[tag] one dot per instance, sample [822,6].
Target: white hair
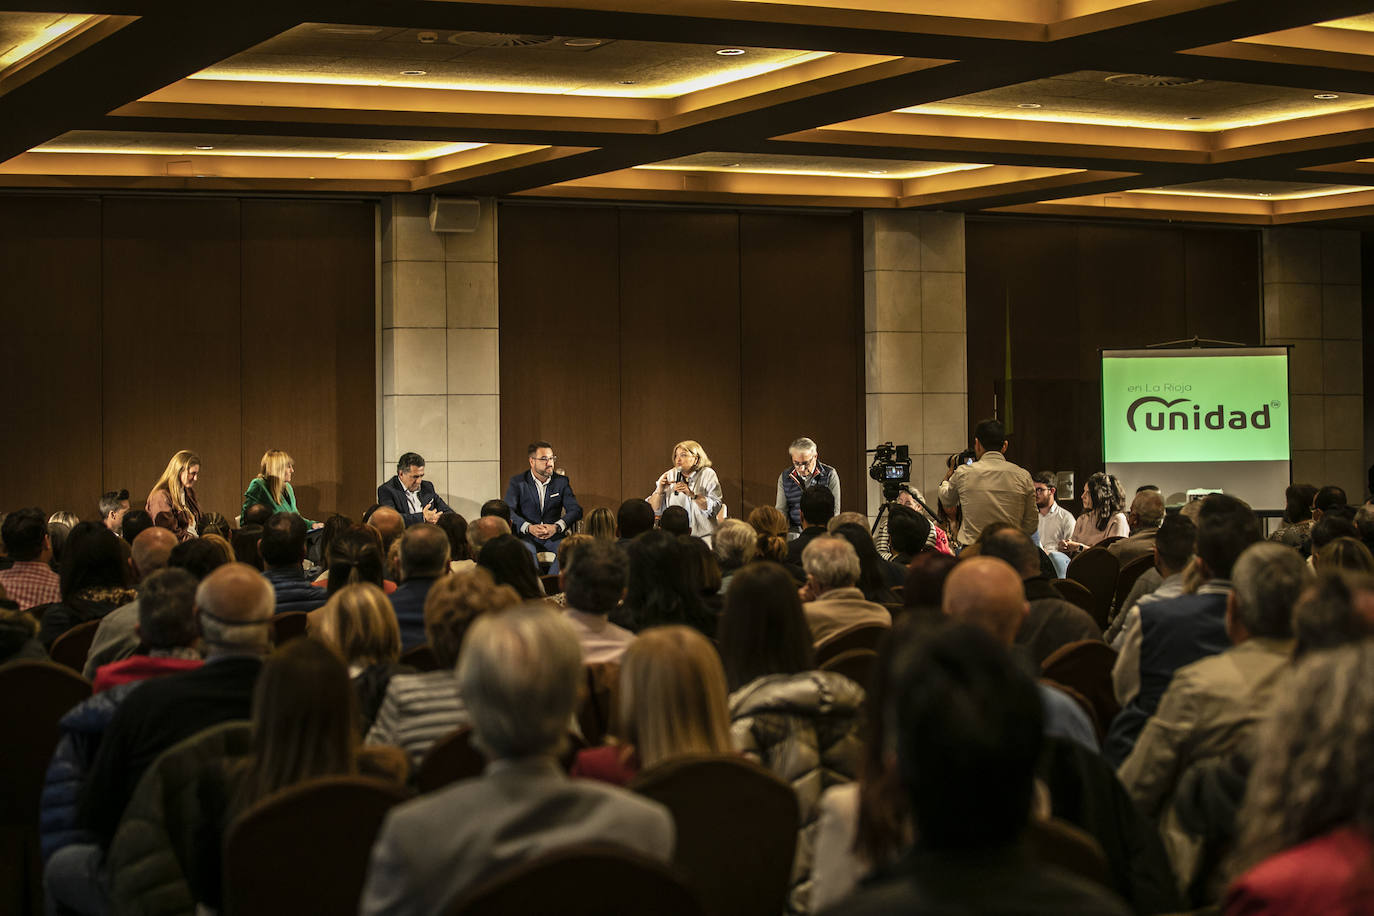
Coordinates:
[831,561]
[803,445]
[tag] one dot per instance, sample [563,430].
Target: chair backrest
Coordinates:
[1077,593]
[742,870]
[305,849]
[1086,666]
[1061,844]
[1126,578]
[898,590]
[855,664]
[583,881]
[550,584]
[421,658]
[1096,569]
[1082,702]
[288,626]
[450,759]
[859,636]
[72,647]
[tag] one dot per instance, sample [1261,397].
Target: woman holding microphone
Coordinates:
[693,485]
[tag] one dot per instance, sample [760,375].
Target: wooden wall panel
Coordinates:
[679,344]
[801,337]
[171,344]
[50,348]
[560,343]
[309,350]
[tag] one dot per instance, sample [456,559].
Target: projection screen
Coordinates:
[1199,419]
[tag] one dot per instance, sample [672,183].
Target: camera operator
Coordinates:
[988,487]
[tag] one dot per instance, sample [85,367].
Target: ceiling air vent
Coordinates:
[1152,80]
[498,40]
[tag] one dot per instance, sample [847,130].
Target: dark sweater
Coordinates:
[294,591]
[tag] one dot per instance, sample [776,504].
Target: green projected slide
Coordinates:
[1195,408]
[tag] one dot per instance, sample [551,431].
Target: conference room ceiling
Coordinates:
[1256,112]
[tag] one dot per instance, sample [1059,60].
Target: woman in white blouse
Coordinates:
[691,484]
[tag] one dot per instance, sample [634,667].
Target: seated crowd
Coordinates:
[960,734]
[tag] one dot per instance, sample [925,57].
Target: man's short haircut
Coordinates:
[907,530]
[1330,527]
[496,507]
[136,521]
[1015,547]
[832,562]
[990,434]
[675,520]
[969,732]
[424,551]
[166,599]
[256,514]
[407,461]
[1148,507]
[802,444]
[23,534]
[536,446]
[596,581]
[1147,486]
[112,502]
[735,543]
[518,674]
[634,517]
[283,539]
[197,557]
[1226,526]
[1045,478]
[1330,498]
[817,505]
[1265,583]
[1176,542]
[482,531]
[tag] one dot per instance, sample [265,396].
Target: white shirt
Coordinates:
[542,486]
[1054,526]
[413,499]
[703,482]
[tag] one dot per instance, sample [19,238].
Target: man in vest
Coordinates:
[806,471]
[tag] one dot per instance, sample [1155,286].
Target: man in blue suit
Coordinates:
[542,504]
[410,494]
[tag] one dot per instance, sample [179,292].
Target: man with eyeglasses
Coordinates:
[806,471]
[542,504]
[113,505]
[1055,524]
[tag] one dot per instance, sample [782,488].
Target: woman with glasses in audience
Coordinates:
[692,484]
[272,486]
[172,501]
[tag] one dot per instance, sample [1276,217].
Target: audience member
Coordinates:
[675,521]
[18,633]
[968,735]
[593,587]
[57,540]
[332,528]
[1051,622]
[1056,523]
[1336,610]
[600,524]
[702,569]
[226,550]
[95,580]
[172,502]
[1296,530]
[1306,834]
[1102,517]
[925,580]
[633,518]
[1364,521]
[1178,631]
[166,631]
[212,523]
[735,546]
[771,527]
[846,518]
[1344,553]
[459,554]
[113,505]
[1327,529]
[877,577]
[1174,546]
[30,581]
[817,508]
[256,514]
[246,543]
[424,559]
[355,556]
[389,524]
[486,528]
[568,549]
[1330,501]
[510,563]
[419,709]
[909,533]
[1144,518]
[834,602]
[518,673]
[659,589]
[63,517]
[671,704]
[283,551]
[357,622]
[801,723]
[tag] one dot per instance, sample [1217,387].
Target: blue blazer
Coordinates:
[559,503]
[393,495]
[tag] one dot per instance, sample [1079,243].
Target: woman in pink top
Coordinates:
[1102,517]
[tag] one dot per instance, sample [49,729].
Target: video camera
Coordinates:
[891,467]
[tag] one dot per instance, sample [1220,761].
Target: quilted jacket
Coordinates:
[805,728]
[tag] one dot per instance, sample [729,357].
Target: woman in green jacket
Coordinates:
[272,486]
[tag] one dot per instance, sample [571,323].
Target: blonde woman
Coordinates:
[691,484]
[172,502]
[272,486]
[359,623]
[672,703]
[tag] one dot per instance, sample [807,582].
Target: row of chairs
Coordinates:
[1097,582]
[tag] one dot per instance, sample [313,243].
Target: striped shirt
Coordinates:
[418,710]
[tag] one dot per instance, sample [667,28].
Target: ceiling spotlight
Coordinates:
[730,52]
[732,165]
[1326,96]
[582,42]
[413,72]
[1029,105]
[427,38]
[204,147]
[877,171]
[626,82]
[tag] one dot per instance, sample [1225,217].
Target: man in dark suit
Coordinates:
[542,504]
[410,494]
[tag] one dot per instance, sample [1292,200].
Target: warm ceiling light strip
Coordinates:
[816,172]
[418,156]
[43,39]
[1257,195]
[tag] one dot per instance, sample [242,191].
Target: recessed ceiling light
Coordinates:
[1029,105]
[626,82]
[582,42]
[413,72]
[204,147]
[1192,117]
[730,52]
[1326,96]
[732,165]
[1261,193]
[877,171]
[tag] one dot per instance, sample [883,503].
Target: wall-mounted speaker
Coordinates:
[454,214]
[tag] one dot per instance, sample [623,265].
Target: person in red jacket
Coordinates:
[166,630]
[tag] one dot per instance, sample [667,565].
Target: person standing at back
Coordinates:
[991,488]
[806,471]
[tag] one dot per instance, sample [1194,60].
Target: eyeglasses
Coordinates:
[552,459]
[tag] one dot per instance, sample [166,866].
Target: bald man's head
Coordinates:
[151,549]
[234,606]
[389,525]
[986,593]
[484,529]
[1147,511]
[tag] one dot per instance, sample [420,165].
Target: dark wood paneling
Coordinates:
[801,339]
[1061,291]
[560,343]
[679,343]
[171,344]
[309,351]
[50,348]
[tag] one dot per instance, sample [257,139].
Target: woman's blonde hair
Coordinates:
[600,524]
[221,544]
[357,622]
[62,517]
[673,696]
[693,448]
[272,470]
[171,479]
